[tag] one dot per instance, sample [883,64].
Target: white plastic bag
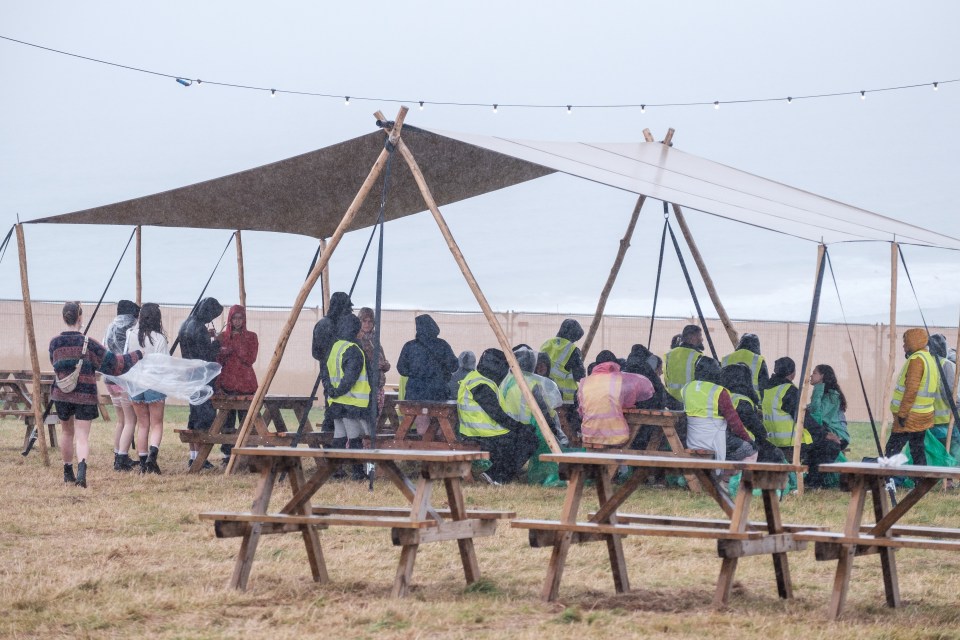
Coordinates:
[176,377]
[893,461]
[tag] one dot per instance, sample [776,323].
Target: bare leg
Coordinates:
[118,429]
[156,422]
[82,431]
[66,446]
[129,427]
[143,426]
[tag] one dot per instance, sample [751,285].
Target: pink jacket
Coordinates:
[602,396]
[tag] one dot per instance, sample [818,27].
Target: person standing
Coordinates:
[566,361]
[825,422]
[348,389]
[748,352]
[116,341]
[76,359]
[914,397]
[367,340]
[148,337]
[238,352]
[324,335]
[428,362]
[199,342]
[680,363]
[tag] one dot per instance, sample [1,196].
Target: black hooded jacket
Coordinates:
[571,330]
[639,362]
[751,342]
[195,341]
[325,331]
[348,326]
[428,362]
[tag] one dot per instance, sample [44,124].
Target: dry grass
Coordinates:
[128,557]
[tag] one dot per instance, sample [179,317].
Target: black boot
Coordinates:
[143,465]
[82,474]
[358,472]
[152,466]
[116,461]
[339,443]
[68,474]
[122,462]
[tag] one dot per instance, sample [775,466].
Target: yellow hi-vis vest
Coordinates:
[749,358]
[941,408]
[680,363]
[560,350]
[474,421]
[401,394]
[701,399]
[737,398]
[929,389]
[512,401]
[359,394]
[778,423]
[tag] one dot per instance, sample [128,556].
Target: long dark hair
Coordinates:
[150,321]
[830,383]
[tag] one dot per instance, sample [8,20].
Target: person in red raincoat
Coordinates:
[238,352]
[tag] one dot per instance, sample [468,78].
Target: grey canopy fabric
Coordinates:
[308,194]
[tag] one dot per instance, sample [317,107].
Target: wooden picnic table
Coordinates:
[883,536]
[270,413]
[16,400]
[440,434]
[736,535]
[410,526]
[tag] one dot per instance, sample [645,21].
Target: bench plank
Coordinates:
[709,523]
[637,530]
[669,462]
[405,511]
[343,520]
[899,542]
[372,455]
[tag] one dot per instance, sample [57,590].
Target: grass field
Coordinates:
[128,557]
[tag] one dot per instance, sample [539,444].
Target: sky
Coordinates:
[75,134]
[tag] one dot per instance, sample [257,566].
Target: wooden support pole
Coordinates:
[241,284]
[254,411]
[32,343]
[481,299]
[139,282]
[614,271]
[808,365]
[325,278]
[956,380]
[892,356]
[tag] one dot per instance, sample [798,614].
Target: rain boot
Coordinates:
[68,474]
[143,465]
[339,443]
[152,466]
[82,474]
[122,462]
[358,473]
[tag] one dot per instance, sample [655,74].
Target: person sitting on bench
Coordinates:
[711,415]
[603,395]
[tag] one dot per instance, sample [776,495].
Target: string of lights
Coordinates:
[187,81]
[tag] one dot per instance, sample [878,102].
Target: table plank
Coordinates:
[371,455]
[906,470]
[669,462]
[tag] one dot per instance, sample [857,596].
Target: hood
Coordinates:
[348,326]
[707,370]
[234,310]
[339,304]
[750,342]
[128,308]
[208,310]
[783,367]
[915,339]
[526,358]
[427,328]
[639,359]
[606,367]
[938,345]
[737,378]
[570,330]
[466,361]
[493,365]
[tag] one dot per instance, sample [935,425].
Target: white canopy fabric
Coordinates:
[308,194]
[665,173]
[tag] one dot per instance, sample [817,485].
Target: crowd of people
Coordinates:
[735,409]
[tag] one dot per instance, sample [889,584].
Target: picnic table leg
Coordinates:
[738,524]
[318,567]
[561,545]
[841,581]
[406,422]
[618,565]
[888,559]
[248,546]
[203,451]
[458,511]
[676,446]
[781,567]
[408,554]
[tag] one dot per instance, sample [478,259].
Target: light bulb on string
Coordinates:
[569,109]
[494,108]
[716,104]
[421,105]
[199,81]
[789,100]
[346,101]
[273,93]
[936,86]
[643,108]
[863,95]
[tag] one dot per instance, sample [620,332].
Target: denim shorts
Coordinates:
[149,396]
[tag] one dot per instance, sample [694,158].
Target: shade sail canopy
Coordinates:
[308,194]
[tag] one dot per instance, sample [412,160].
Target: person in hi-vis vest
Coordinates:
[566,362]
[779,403]
[680,363]
[748,352]
[348,389]
[914,397]
[484,422]
[713,423]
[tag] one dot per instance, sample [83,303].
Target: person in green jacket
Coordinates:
[826,423]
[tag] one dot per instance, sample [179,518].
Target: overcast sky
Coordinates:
[75,134]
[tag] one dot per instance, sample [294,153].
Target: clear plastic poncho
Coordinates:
[173,377]
[116,337]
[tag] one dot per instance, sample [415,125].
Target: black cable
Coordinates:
[693,293]
[204,290]
[6,241]
[641,106]
[656,289]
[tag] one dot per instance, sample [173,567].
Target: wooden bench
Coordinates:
[736,536]
[16,401]
[884,536]
[410,526]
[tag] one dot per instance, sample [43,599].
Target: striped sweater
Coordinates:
[65,350]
